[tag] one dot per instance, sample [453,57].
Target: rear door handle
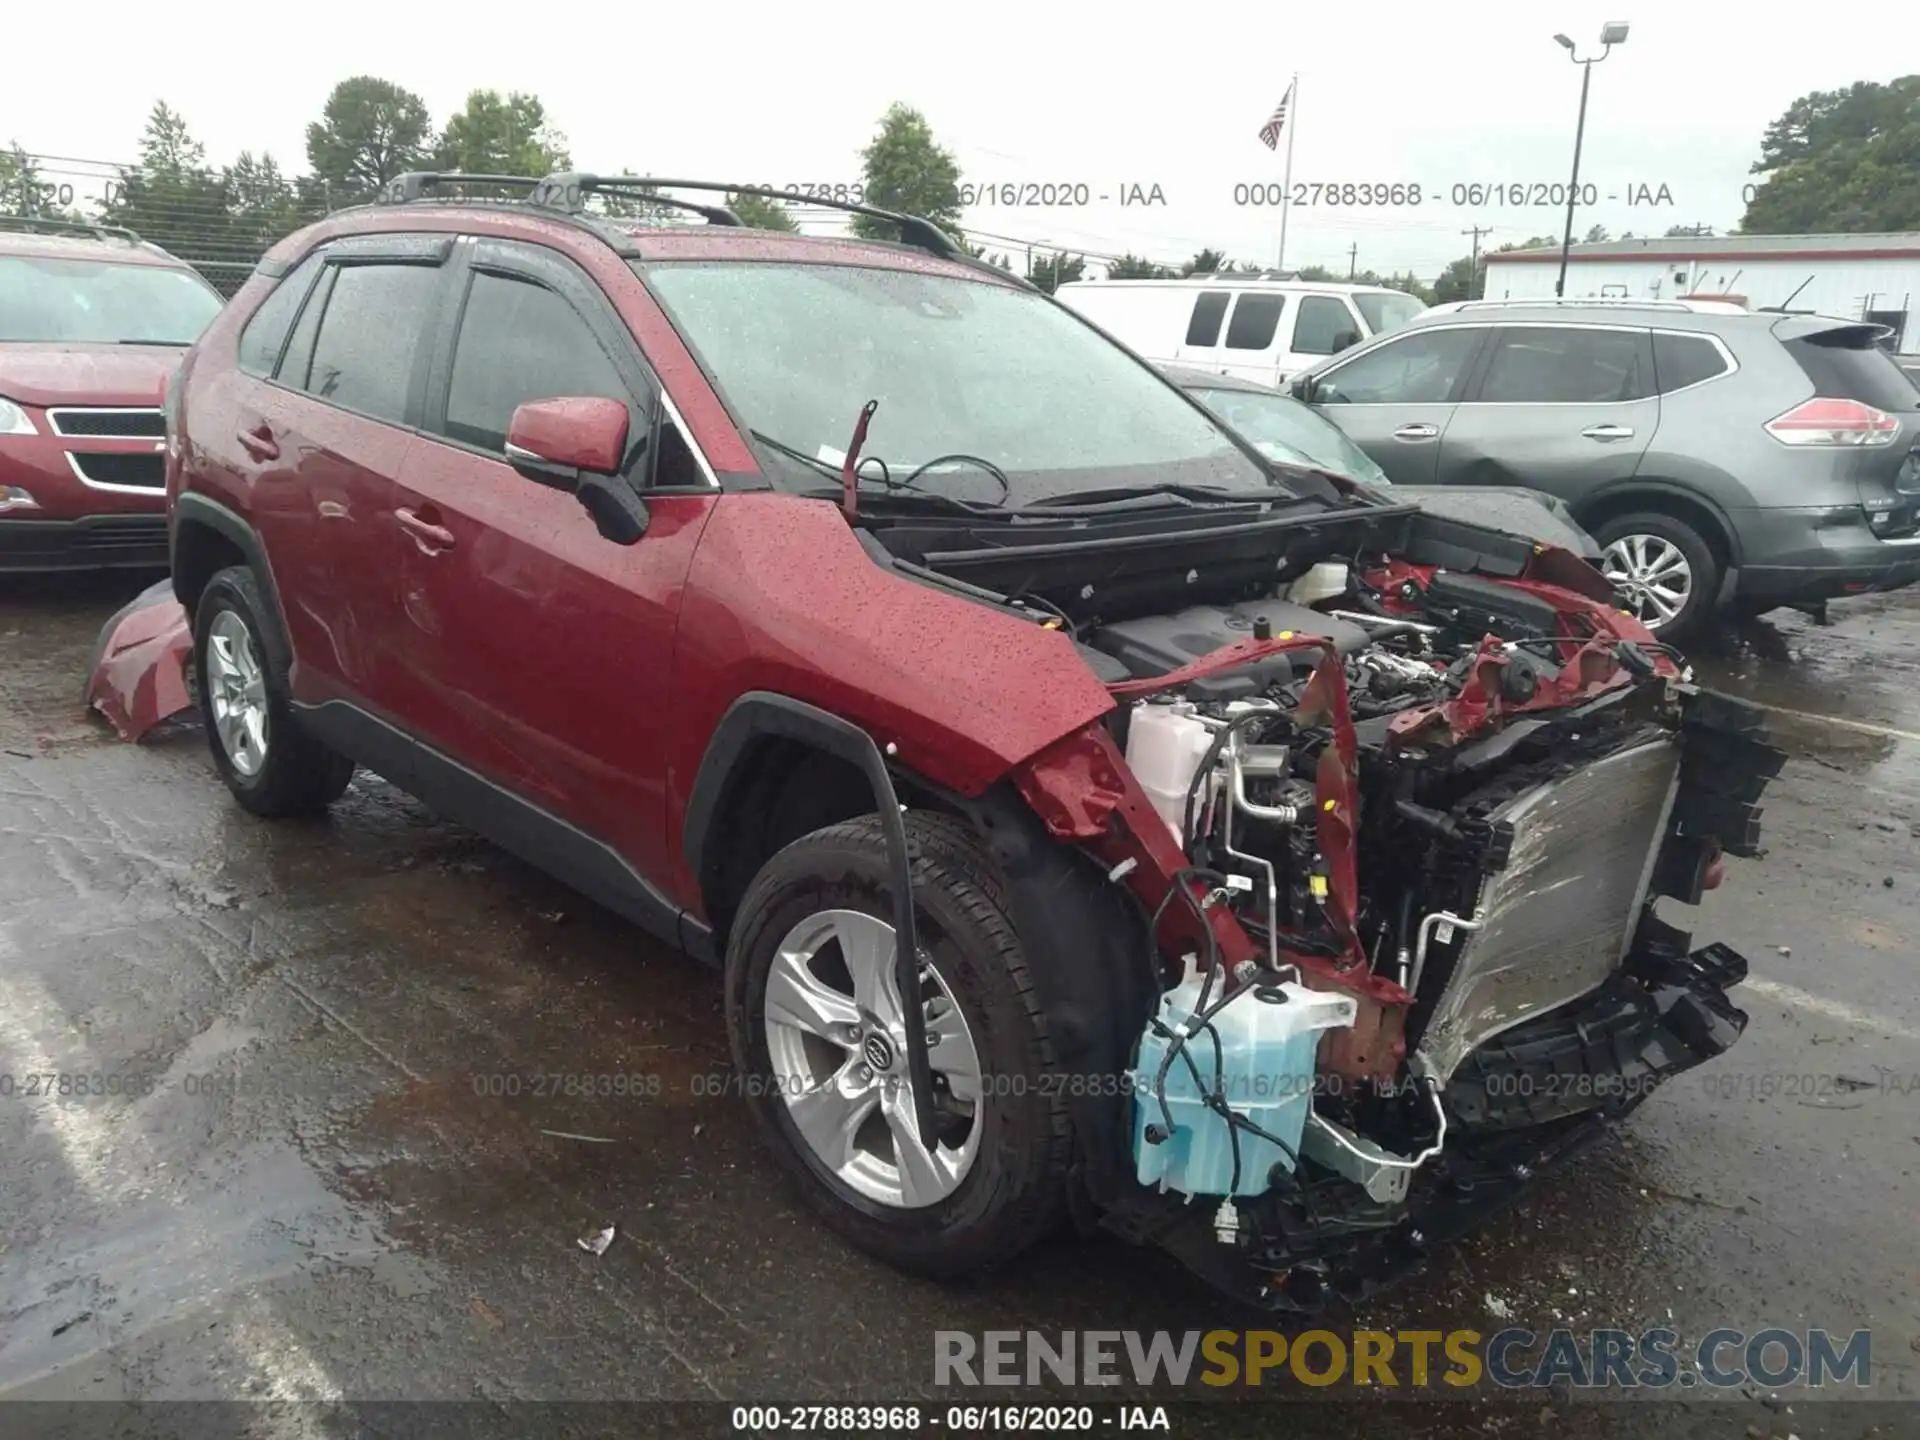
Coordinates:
[1608,432]
[259,442]
[429,537]
[1416,432]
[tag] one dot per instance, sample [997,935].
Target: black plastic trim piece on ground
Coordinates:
[760,714]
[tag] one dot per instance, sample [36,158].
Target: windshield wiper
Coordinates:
[170,344]
[899,490]
[1192,494]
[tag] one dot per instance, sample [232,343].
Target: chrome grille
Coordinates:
[108,423]
[1558,920]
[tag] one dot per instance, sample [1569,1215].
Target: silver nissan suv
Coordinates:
[1725,460]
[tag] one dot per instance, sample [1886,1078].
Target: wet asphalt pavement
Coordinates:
[347,1200]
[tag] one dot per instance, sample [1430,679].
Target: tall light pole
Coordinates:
[1613,33]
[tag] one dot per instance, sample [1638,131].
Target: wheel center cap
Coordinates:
[878,1051]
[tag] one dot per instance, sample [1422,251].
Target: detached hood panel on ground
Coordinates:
[139,673]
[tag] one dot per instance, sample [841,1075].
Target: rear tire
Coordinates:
[1664,564]
[998,1179]
[271,764]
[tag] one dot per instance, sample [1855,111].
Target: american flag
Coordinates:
[1270,132]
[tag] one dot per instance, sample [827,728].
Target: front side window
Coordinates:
[518,342]
[965,371]
[370,333]
[1424,368]
[1255,319]
[1323,326]
[1550,365]
[1386,309]
[46,300]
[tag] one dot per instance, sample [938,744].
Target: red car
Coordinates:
[92,321]
[1092,818]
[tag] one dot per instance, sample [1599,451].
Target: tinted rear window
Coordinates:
[1683,360]
[1845,365]
[1255,319]
[1208,311]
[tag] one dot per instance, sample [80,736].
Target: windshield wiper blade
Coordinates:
[884,489]
[168,344]
[1200,494]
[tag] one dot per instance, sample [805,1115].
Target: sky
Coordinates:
[1456,100]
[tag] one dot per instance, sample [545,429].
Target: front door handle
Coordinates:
[259,442]
[1608,432]
[1416,432]
[431,538]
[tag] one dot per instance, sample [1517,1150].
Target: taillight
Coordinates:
[1824,420]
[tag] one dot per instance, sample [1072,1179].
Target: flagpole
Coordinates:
[1286,194]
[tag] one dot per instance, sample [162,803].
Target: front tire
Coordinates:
[814,1020]
[273,767]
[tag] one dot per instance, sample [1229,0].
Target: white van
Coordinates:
[1262,330]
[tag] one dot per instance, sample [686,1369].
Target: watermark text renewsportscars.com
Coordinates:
[1513,1358]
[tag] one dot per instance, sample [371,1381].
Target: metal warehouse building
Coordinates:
[1864,277]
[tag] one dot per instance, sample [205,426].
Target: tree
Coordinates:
[172,197]
[510,136]
[1532,242]
[1841,160]
[1461,280]
[1595,236]
[1207,262]
[24,192]
[370,131]
[1677,232]
[263,206]
[907,171]
[1050,272]
[762,213]
[1135,267]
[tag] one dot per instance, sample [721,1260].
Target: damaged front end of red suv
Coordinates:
[1399,850]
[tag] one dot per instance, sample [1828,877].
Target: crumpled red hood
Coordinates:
[139,672]
[42,375]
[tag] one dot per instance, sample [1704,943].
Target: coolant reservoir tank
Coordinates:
[1269,1038]
[1164,748]
[1325,581]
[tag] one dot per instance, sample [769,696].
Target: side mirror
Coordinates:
[1301,387]
[578,444]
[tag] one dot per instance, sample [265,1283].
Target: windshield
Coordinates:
[50,300]
[1386,309]
[959,367]
[1281,428]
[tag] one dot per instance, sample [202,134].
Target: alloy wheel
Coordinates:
[837,1043]
[238,690]
[1655,575]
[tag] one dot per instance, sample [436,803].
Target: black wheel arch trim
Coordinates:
[765,714]
[1653,490]
[192,508]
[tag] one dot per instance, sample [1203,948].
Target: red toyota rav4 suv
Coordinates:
[92,321]
[853,615]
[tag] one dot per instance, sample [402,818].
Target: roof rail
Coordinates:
[568,191]
[1623,302]
[69,227]
[414,185]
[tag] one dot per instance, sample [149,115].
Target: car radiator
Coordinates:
[1559,918]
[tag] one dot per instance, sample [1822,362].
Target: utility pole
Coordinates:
[1353,257]
[1473,265]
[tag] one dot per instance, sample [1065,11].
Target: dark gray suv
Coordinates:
[1724,460]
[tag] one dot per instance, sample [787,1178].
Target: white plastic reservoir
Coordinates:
[1164,748]
[1265,1072]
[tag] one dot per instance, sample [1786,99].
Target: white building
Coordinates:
[1859,277]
